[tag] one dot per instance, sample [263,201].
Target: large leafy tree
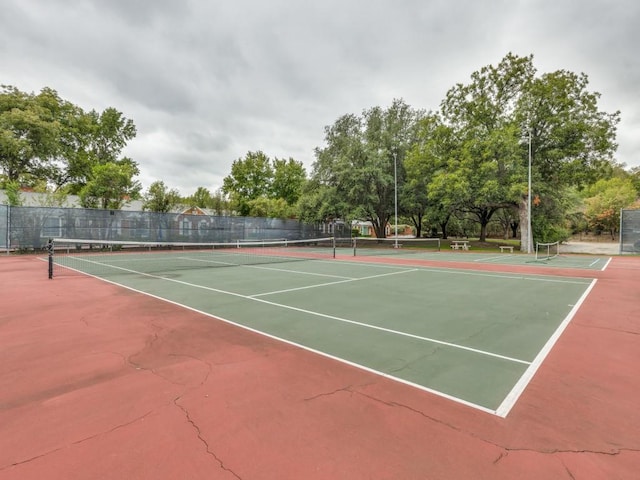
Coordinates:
[634,174]
[45,140]
[428,158]
[605,199]
[289,177]
[270,207]
[361,165]
[29,132]
[250,179]
[320,203]
[485,172]
[95,139]
[257,185]
[111,185]
[201,198]
[572,141]
[160,198]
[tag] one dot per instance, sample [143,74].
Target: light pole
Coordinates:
[529,232]
[395,191]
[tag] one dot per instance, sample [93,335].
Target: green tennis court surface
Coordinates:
[583,262]
[473,337]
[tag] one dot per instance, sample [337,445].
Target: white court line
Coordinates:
[606,264]
[286,270]
[594,262]
[537,277]
[330,283]
[318,314]
[502,411]
[260,267]
[486,259]
[299,345]
[511,399]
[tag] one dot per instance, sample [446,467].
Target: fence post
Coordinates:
[8,229]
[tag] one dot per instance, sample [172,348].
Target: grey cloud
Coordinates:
[207,81]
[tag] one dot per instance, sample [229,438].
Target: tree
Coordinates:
[356,167]
[201,198]
[159,198]
[289,177]
[44,138]
[28,132]
[604,201]
[485,170]
[95,139]
[320,203]
[634,174]
[111,185]
[427,158]
[250,179]
[572,141]
[258,184]
[270,207]
[220,203]
[12,191]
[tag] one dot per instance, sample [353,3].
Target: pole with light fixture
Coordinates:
[395,191]
[529,232]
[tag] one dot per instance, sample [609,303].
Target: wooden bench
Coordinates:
[506,247]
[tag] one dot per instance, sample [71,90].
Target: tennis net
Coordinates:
[103,257]
[547,251]
[394,246]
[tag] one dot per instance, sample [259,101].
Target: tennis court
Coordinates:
[432,250]
[473,337]
[381,366]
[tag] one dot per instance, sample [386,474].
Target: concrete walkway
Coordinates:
[598,248]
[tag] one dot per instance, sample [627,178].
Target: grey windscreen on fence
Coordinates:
[4,226]
[31,227]
[630,231]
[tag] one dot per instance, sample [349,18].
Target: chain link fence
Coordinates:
[630,231]
[4,226]
[29,228]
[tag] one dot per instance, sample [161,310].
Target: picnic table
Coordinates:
[459,244]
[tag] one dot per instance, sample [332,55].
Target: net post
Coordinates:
[333,241]
[50,257]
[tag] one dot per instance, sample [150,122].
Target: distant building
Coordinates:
[35,199]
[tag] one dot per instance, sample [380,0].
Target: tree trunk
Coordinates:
[483,231]
[443,226]
[524,226]
[417,222]
[514,229]
[379,225]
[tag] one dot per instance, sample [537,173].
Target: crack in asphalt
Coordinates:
[78,442]
[176,400]
[506,450]
[202,439]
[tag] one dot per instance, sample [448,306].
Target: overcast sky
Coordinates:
[206,81]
